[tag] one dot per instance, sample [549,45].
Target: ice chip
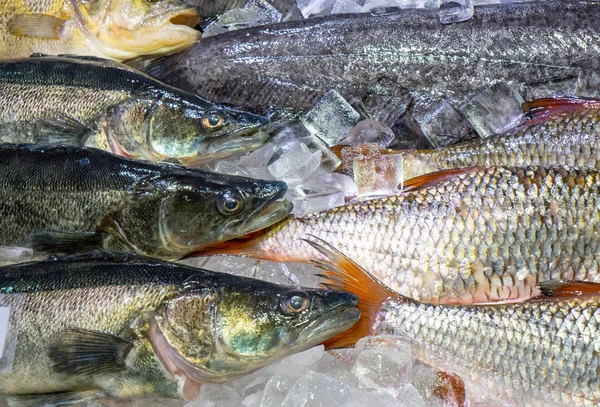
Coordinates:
[253,400]
[370,397]
[317,202]
[347,6]
[317,390]
[308,357]
[216,395]
[330,119]
[369,131]
[455,11]
[226,167]
[410,397]
[338,364]
[380,175]
[314,7]
[441,123]
[295,165]
[214,28]
[495,110]
[429,381]
[383,362]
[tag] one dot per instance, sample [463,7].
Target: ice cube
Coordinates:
[455,11]
[495,110]
[440,122]
[408,135]
[383,362]
[308,357]
[214,28]
[322,192]
[271,10]
[350,153]
[306,274]
[227,167]
[410,397]
[273,272]
[316,389]
[338,364]
[347,6]
[330,119]
[296,165]
[378,176]
[437,388]
[386,101]
[216,395]
[369,397]
[314,7]
[369,131]
[317,202]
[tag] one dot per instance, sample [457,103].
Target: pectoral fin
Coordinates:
[54,242]
[81,352]
[36,26]
[52,399]
[567,290]
[62,129]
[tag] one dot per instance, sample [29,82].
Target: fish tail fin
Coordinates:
[65,241]
[540,110]
[342,273]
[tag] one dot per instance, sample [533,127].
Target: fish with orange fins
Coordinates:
[540,352]
[478,234]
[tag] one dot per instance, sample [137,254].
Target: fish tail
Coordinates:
[342,273]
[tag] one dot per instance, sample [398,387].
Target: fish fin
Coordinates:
[65,241]
[434,178]
[63,129]
[52,399]
[36,26]
[540,110]
[342,273]
[568,289]
[82,352]
[247,245]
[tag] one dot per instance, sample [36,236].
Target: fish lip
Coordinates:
[264,216]
[185,17]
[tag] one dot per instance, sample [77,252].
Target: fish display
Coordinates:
[69,199]
[119,327]
[115,29]
[558,132]
[541,352]
[477,234]
[103,104]
[292,64]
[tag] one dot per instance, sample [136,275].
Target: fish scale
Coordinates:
[483,234]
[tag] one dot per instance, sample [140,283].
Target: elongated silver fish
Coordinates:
[541,352]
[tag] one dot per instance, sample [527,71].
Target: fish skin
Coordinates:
[479,234]
[119,294]
[163,210]
[570,138]
[292,64]
[115,29]
[118,109]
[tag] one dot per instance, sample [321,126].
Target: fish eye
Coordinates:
[294,302]
[213,121]
[230,202]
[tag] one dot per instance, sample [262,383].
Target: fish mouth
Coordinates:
[235,143]
[187,18]
[264,216]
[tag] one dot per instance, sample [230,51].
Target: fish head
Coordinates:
[179,128]
[128,29]
[239,325]
[181,212]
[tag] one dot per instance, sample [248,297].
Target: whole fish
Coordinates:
[68,199]
[477,234]
[124,327]
[558,132]
[541,352]
[103,104]
[293,64]
[116,29]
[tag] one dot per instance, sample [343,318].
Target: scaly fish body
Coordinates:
[475,234]
[570,137]
[130,327]
[291,65]
[540,352]
[116,29]
[103,104]
[159,210]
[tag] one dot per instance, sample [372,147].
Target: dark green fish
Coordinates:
[67,199]
[93,102]
[124,327]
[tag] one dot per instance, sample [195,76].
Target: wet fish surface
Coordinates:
[100,103]
[69,199]
[540,352]
[477,234]
[291,65]
[115,29]
[558,132]
[122,327]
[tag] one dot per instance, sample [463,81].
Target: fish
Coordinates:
[459,236]
[66,200]
[115,29]
[559,131]
[540,352]
[291,65]
[86,101]
[123,326]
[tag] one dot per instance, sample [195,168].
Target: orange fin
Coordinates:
[567,289]
[247,245]
[344,274]
[434,178]
[540,110]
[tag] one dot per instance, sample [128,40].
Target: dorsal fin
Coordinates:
[540,110]
[434,178]
[341,273]
[567,290]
